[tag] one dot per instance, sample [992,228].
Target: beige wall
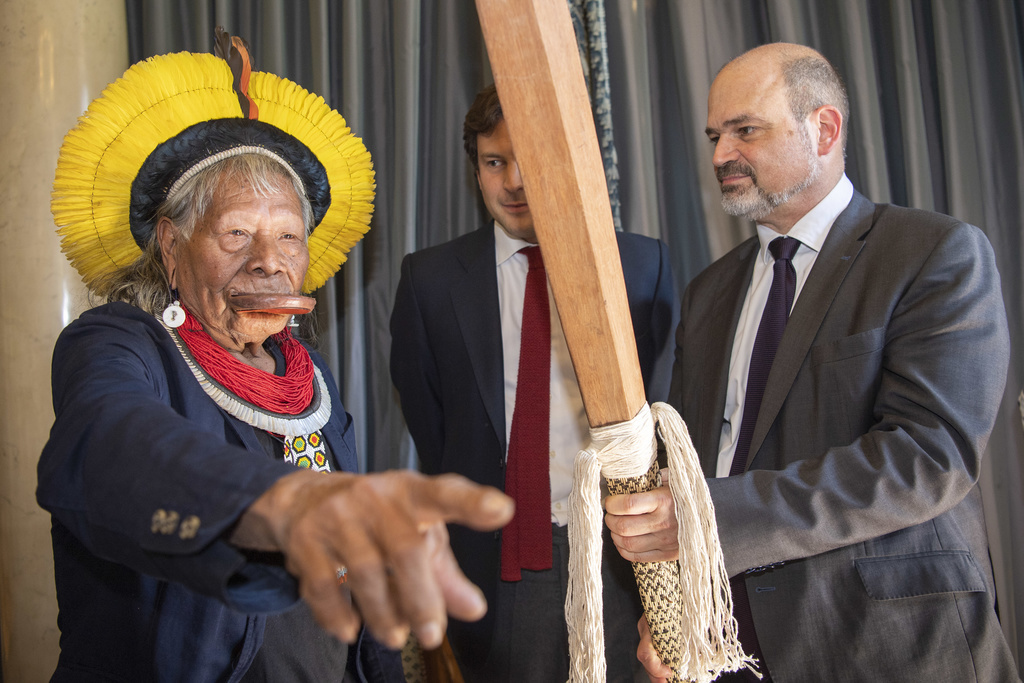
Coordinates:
[57,55]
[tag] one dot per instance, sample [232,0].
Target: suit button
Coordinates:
[189,528]
[164,522]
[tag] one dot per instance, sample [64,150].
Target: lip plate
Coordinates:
[284,304]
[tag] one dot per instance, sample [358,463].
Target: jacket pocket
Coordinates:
[907,576]
[848,347]
[848,373]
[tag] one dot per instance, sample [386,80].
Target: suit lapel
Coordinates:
[246,433]
[717,355]
[838,253]
[475,299]
[342,448]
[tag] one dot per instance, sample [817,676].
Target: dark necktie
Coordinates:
[766,343]
[526,540]
[769,332]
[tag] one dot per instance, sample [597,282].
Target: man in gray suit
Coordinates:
[852,524]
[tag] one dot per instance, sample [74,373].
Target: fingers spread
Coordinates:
[391,577]
[318,586]
[388,531]
[412,596]
[465,600]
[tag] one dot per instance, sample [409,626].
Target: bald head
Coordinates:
[810,80]
[773,54]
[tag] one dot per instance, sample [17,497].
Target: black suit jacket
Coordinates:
[866,451]
[446,362]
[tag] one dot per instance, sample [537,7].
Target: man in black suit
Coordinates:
[455,354]
[847,505]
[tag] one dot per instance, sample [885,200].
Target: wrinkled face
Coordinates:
[501,185]
[243,244]
[764,159]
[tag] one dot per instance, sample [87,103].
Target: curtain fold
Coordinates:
[937,123]
[588,19]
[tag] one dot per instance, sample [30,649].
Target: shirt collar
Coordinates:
[813,227]
[505,246]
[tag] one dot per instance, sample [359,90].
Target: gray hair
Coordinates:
[144,282]
[812,82]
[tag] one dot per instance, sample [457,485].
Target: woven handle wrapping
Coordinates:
[658,583]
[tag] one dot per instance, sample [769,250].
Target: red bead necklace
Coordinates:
[287,395]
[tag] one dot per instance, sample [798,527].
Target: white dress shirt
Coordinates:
[569,431]
[811,230]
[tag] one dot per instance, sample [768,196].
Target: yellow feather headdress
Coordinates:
[112,170]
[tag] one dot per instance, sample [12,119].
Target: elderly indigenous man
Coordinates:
[200,471]
[846,495]
[469,380]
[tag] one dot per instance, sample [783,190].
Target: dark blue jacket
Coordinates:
[138,448]
[446,362]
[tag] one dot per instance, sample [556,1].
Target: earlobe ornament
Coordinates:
[174,314]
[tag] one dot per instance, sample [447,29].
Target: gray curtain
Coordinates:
[937,123]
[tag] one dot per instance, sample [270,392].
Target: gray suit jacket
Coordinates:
[859,522]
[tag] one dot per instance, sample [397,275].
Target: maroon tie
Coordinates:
[526,541]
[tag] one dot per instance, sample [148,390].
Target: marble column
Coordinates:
[56,56]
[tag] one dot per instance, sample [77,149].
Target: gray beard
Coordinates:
[755,205]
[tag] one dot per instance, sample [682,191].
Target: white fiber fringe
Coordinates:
[628,450]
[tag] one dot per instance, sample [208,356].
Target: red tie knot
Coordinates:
[533,254]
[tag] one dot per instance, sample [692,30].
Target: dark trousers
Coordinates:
[531,639]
